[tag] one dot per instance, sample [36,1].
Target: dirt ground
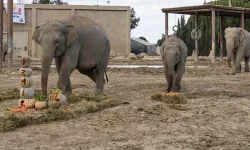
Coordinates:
[216,116]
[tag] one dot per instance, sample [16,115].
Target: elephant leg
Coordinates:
[169,78]
[68,87]
[68,65]
[102,68]
[238,58]
[58,68]
[233,58]
[246,64]
[99,81]
[179,73]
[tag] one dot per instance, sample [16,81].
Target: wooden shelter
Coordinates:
[209,10]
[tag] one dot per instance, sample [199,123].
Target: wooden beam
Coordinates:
[213,35]
[196,59]
[1,33]
[243,20]
[10,33]
[231,11]
[166,25]
[221,37]
[206,10]
[188,11]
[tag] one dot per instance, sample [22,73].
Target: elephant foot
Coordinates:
[68,97]
[98,92]
[176,89]
[169,89]
[246,70]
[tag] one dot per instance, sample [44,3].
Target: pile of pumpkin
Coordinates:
[56,100]
[27,94]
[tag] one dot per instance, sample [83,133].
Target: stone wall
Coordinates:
[114,19]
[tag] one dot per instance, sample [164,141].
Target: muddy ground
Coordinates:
[216,116]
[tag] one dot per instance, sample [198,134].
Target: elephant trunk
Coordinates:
[170,82]
[46,63]
[170,65]
[229,62]
[230,47]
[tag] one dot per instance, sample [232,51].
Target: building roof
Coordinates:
[142,41]
[206,9]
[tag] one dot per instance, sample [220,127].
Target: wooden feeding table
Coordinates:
[209,10]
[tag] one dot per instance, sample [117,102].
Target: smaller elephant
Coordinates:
[174,56]
[5,50]
[238,47]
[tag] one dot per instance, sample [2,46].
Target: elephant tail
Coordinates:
[106,76]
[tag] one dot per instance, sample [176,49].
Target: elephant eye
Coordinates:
[57,42]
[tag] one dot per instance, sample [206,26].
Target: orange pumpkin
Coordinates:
[25,72]
[28,103]
[41,104]
[54,104]
[25,62]
[27,93]
[58,97]
[26,82]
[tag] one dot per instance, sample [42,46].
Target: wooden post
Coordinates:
[1,33]
[10,33]
[196,41]
[213,36]
[243,20]
[230,2]
[34,24]
[166,25]
[221,37]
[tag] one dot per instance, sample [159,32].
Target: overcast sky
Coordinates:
[151,24]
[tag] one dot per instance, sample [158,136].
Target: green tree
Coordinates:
[161,40]
[42,2]
[58,2]
[134,21]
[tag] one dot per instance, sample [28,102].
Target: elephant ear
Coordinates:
[72,34]
[37,35]
[242,35]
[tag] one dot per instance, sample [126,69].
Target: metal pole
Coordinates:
[1,33]
[221,37]
[230,2]
[166,26]
[243,20]
[10,33]
[213,36]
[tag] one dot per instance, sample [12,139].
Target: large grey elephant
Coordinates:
[174,55]
[75,43]
[238,46]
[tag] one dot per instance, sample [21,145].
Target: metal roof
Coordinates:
[142,41]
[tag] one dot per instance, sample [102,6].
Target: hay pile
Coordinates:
[169,98]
